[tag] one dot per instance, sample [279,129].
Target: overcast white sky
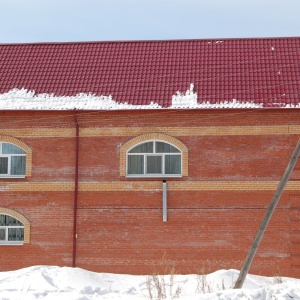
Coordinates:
[97,20]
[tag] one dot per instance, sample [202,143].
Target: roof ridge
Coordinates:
[148,41]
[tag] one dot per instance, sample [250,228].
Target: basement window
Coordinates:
[154,159]
[11,230]
[12,161]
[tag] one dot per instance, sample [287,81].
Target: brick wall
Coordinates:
[235,159]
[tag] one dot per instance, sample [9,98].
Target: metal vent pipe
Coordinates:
[164,201]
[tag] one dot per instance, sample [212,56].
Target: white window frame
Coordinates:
[9,156]
[153,175]
[6,228]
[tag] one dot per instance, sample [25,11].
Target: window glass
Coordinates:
[18,164]
[2,220]
[15,234]
[135,164]
[3,165]
[143,148]
[2,234]
[154,164]
[11,149]
[165,148]
[6,220]
[173,164]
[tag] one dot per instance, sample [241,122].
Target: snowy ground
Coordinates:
[63,283]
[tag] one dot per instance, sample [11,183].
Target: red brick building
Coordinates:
[149,178]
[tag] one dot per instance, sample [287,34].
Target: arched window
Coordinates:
[154,159]
[14,228]
[12,160]
[153,154]
[11,230]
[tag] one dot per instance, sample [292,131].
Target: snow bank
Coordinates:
[64,283]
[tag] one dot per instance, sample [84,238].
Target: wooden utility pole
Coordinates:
[267,217]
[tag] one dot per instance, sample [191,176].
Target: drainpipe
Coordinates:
[75,190]
[164,200]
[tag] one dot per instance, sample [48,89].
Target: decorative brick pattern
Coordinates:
[192,131]
[39,132]
[172,131]
[187,186]
[21,218]
[36,186]
[26,148]
[153,185]
[154,136]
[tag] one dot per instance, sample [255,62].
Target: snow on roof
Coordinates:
[189,100]
[27,100]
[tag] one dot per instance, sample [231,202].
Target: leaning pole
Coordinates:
[247,264]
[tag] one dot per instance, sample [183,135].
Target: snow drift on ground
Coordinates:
[64,283]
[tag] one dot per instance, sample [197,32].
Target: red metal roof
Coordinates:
[259,70]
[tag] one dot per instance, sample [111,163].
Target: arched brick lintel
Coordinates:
[154,136]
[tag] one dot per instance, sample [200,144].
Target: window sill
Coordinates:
[154,176]
[11,177]
[11,243]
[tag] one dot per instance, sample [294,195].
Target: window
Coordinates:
[154,159]
[11,230]
[12,160]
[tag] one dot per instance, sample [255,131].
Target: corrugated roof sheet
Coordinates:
[258,70]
